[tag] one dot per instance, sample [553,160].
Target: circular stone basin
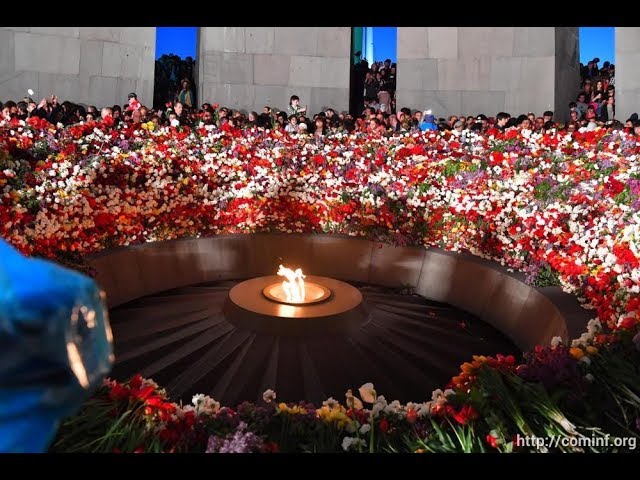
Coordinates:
[314,293]
[332,306]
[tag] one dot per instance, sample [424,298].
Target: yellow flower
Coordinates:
[295,410]
[336,416]
[576,353]
[592,350]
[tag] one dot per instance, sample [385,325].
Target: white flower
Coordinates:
[269,396]
[348,442]
[367,393]
[555,341]
[205,404]
[365,428]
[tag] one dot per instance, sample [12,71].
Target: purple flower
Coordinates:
[554,367]
[124,145]
[240,441]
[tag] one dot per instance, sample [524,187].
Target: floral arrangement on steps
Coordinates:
[564,208]
[585,398]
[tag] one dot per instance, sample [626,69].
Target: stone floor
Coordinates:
[409,347]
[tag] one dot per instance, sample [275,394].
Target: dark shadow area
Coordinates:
[409,347]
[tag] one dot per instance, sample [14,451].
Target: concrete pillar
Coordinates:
[472,70]
[627,62]
[90,65]
[250,67]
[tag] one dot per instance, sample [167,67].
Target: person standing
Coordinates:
[294,107]
[185,96]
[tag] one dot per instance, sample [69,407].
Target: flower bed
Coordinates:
[562,208]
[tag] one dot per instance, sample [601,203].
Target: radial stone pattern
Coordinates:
[407,347]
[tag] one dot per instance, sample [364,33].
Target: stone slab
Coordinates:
[47,53]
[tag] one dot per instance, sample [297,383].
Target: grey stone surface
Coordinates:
[16,84]
[442,102]
[323,98]
[57,31]
[475,103]
[76,62]
[234,95]
[64,86]
[124,86]
[627,71]
[485,41]
[464,74]
[334,42]
[252,66]
[413,43]
[537,73]
[274,96]
[237,68]
[47,53]
[91,58]
[138,37]
[271,69]
[505,73]
[423,75]
[296,40]
[443,42]
[103,91]
[7,52]
[567,70]
[210,67]
[627,43]
[101,33]
[259,39]
[328,72]
[234,39]
[212,39]
[515,69]
[533,42]
[111,59]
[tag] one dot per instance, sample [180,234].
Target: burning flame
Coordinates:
[294,287]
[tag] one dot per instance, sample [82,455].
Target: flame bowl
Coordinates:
[314,293]
[332,306]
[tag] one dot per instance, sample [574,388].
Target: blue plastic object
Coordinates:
[55,347]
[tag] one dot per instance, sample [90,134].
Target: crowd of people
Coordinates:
[174,81]
[594,107]
[375,86]
[596,98]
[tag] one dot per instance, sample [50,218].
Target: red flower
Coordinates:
[136,381]
[491,441]
[270,447]
[118,392]
[384,425]
[628,323]
[108,121]
[466,415]
[412,415]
